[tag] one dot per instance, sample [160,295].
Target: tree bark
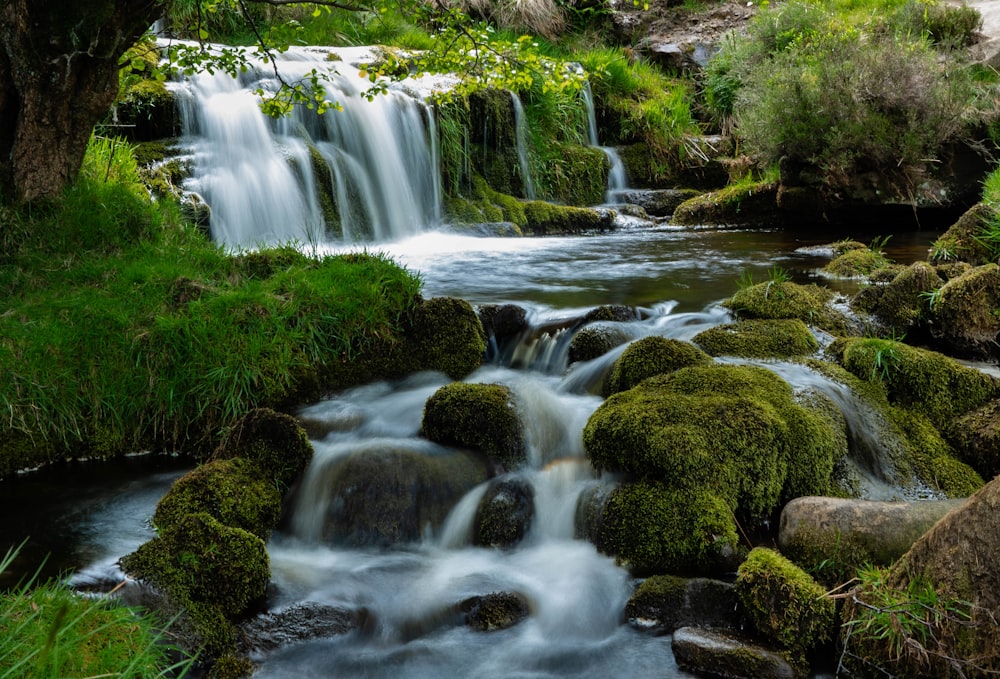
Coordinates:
[58,78]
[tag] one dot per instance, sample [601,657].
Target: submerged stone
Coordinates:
[495,611]
[726,654]
[504,514]
[663,603]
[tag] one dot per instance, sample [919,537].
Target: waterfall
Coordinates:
[366,172]
[617,177]
[521,132]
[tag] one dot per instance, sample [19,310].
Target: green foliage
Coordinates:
[784,603]
[49,631]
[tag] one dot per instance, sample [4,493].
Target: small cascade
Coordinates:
[366,172]
[521,133]
[617,177]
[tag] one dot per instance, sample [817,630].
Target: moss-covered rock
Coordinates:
[384,496]
[482,417]
[596,340]
[962,241]
[503,321]
[272,441]
[495,611]
[740,204]
[903,303]
[966,318]
[976,438]
[549,219]
[650,528]
[651,356]
[725,653]
[734,430]
[444,334]
[856,264]
[923,381]
[935,611]
[784,603]
[504,514]
[230,491]
[784,299]
[146,109]
[758,339]
[933,458]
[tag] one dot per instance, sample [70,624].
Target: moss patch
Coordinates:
[651,356]
[961,241]
[976,438]
[966,316]
[856,264]
[758,339]
[904,302]
[548,219]
[783,300]
[742,204]
[273,442]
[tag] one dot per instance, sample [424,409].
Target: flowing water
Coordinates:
[258,176]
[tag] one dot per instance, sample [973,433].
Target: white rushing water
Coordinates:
[368,172]
[617,176]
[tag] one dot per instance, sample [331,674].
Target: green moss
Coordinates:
[572,174]
[744,203]
[650,528]
[758,339]
[917,378]
[504,514]
[325,188]
[443,334]
[230,491]
[784,603]
[595,340]
[966,317]
[495,611]
[651,356]
[548,219]
[659,592]
[961,241]
[856,264]
[832,558]
[976,438]
[902,303]
[934,458]
[733,430]
[273,442]
[478,416]
[231,667]
[784,299]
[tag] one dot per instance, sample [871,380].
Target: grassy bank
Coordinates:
[123,328]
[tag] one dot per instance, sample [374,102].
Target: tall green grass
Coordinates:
[47,631]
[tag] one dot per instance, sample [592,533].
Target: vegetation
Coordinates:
[758,339]
[651,356]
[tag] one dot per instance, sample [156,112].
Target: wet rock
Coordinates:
[482,417]
[653,355]
[658,202]
[723,654]
[443,334]
[961,241]
[596,340]
[504,514]
[742,205]
[838,535]
[758,339]
[271,631]
[274,442]
[620,313]
[503,321]
[964,320]
[384,495]
[495,611]
[950,578]
[783,299]
[901,305]
[663,603]
[976,438]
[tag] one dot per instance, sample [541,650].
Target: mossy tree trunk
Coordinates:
[58,77]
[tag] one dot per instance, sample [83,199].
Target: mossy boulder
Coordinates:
[784,299]
[784,603]
[651,356]
[975,437]
[230,491]
[651,528]
[549,219]
[725,653]
[901,304]
[662,603]
[920,380]
[736,430]
[502,322]
[215,572]
[147,110]
[482,417]
[444,334]
[856,264]
[595,340]
[495,611]
[742,204]
[965,319]
[948,586]
[962,241]
[273,442]
[384,495]
[758,339]
[504,514]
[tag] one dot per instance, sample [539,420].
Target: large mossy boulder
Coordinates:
[443,334]
[934,613]
[549,219]
[651,528]
[902,304]
[856,263]
[595,340]
[965,319]
[739,204]
[919,380]
[273,442]
[734,430]
[384,496]
[651,356]
[481,417]
[962,242]
[783,299]
[784,603]
[758,339]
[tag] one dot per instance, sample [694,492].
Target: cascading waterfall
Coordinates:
[617,177]
[521,135]
[366,172]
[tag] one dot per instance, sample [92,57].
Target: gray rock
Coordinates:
[268,632]
[664,603]
[721,654]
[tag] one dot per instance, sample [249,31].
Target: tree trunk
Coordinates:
[58,77]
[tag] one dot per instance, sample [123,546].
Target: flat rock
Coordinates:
[713,653]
